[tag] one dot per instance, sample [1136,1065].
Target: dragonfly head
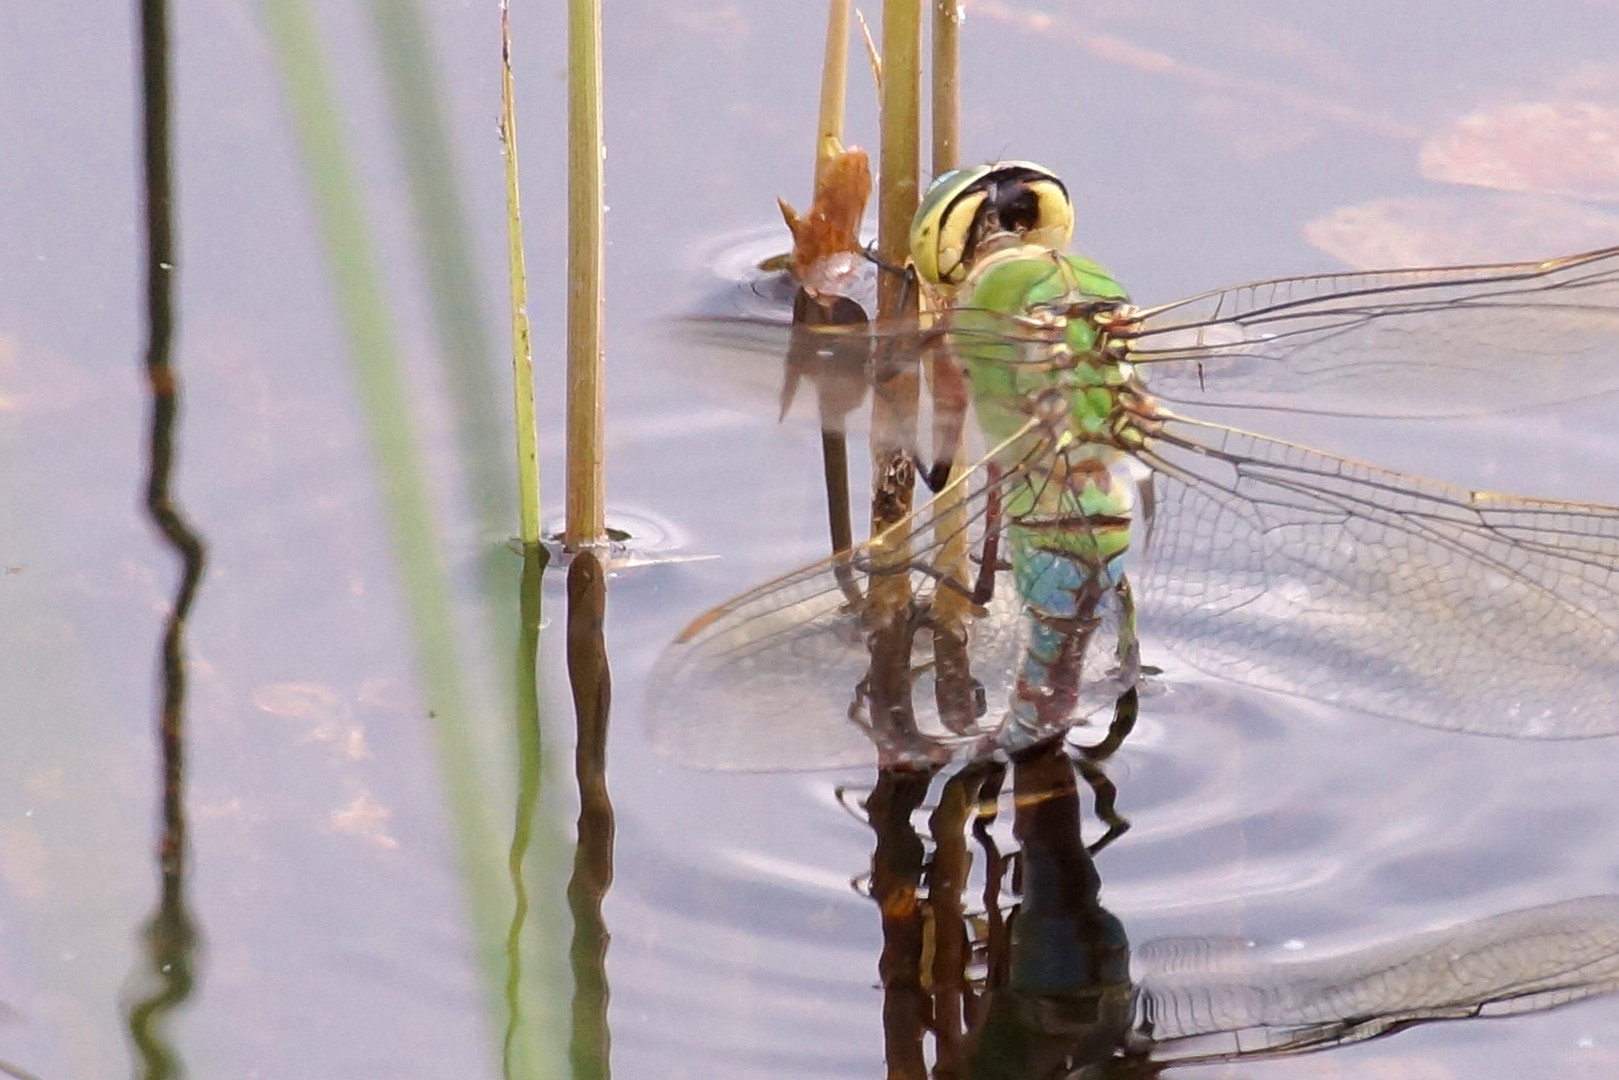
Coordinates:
[965,208]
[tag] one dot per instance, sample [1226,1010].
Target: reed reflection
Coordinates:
[589,1049]
[529,779]
[529,1003]
[170,936]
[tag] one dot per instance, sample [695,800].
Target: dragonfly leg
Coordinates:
[1129,649]
[1088,758]
[906,272]
[1125,711]
[1106,796]
[989,559]
[950,396]
[937,475]
[990,562]
[1126,708]
[844,574]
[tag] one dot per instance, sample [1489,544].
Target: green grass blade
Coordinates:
[528,453]
[465,350]
[412,522]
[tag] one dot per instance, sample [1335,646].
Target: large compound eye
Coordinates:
[1029,202]
[1053,219]
[967,206]
[943,224]
[956,234]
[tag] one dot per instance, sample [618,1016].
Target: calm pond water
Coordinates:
[352,758]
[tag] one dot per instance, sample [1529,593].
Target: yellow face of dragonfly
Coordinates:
[965,207]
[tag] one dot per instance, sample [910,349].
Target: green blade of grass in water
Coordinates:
[414,529]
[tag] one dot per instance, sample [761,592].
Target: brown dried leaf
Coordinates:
[826,240]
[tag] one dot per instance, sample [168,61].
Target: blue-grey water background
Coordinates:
[1202,147]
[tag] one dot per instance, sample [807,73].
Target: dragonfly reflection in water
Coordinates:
[1057,990]
[1245,556]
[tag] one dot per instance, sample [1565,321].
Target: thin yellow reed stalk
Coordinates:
[590,1042]
[834,81]
[873,57]
[587,489]
[894,407]
[946,85]
[953,608]
[897,187]
[528,454]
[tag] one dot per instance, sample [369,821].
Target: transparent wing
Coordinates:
[1297,571]
[748,347]
[1245,1003]
[774,682]
[1446,341]
[783,676]
[1450,341]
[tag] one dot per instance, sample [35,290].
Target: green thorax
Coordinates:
[1066,484]
[1007,375]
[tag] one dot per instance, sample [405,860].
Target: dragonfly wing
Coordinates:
[1452,341]
[1250,1003]
[766,681]
[778,677]
[757,363]
[775,680]
[784,676]
[1297,571]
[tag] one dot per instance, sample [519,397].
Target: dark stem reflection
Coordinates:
[170,936]
[896,880]
[590,1045]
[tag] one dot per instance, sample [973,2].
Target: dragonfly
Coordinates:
[1128,522]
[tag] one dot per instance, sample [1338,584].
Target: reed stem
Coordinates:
[946,85]
[895,401]
[587,489]
[834,83]
[528,454]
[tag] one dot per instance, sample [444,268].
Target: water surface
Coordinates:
[344,933]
